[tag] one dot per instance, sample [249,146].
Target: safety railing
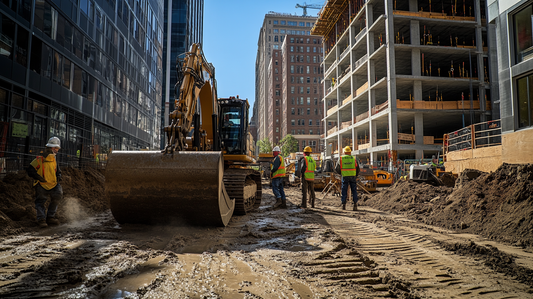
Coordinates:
[478,135]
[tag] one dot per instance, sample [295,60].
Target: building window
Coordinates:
[292,48]
[275,22]
[282,31]
[310,122]
[277,111]
[308,90]
[292,122]
[523,37]
[282,22]
[276,30]
[318,122]
[308,111]
[277,129]
[276,38]
[292,89]
[292,69]
[525,102]
[310,132]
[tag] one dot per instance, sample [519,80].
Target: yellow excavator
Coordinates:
[201,177]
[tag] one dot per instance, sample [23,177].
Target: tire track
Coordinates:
[431,270]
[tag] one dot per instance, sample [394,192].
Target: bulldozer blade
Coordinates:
[150,187]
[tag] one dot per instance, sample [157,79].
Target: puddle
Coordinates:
[129,284]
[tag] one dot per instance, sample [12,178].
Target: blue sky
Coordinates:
[231,31]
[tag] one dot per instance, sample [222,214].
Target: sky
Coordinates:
[231,31]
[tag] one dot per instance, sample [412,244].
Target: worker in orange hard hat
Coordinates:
[349,169]
[306,171]
[277,172]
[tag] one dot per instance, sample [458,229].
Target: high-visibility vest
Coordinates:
[310,166]
[348,165]
[46,167]
[281,170]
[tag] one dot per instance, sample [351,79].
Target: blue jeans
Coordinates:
[349,181]
[277,188]
[41,196]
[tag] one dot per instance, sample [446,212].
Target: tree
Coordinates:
[265,146]
[288,145]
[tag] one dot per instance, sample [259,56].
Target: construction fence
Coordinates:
[478,135]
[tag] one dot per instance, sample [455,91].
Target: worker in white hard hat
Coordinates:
[277,173]
[47,174]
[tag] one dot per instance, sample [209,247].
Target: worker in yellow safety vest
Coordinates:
[277,173]
[349,169]
[306,171]
[47,174]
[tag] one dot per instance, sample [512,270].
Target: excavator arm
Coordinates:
[196,87]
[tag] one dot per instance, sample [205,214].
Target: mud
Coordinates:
[497,205]
[385,249]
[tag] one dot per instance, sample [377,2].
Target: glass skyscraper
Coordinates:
[183,27]
[87,71]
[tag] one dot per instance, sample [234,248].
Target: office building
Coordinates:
[88,72]
[295,78]
[398,75]
[271,36]
[183,27]
[513,21]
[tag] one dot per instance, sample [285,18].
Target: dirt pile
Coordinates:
[497,205]
[82,193]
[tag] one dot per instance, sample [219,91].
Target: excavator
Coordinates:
[202,176]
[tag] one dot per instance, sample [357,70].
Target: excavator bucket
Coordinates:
[182,188]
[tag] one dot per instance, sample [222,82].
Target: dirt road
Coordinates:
[315,253]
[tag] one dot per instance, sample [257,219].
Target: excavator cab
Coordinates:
[232,129]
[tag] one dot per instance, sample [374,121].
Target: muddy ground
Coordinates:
[408,241]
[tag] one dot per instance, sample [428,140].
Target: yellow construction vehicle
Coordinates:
[201,177]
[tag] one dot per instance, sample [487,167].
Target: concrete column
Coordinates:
[355,135]
[413,5]
[419,128]
[369,15]
[373,133]
[419,154]
[417,91]
[416,65]
[414,31]
[373,157]
[391,74]
[371,72]
[492,70]
[370,47]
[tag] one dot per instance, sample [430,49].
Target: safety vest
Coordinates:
[310,166]
[281,170]
[47,168]
[348,165]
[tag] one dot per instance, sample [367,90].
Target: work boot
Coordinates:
[277,203]
[355,207]
[283,203]
[312,203]
[344,206]
[52,221]
[42,223]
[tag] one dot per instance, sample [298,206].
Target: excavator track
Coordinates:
[243,186]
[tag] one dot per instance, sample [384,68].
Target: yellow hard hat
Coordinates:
[347,149]
[308,149]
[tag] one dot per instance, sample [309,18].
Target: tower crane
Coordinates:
[305,6]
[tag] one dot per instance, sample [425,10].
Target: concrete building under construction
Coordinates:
[400,74]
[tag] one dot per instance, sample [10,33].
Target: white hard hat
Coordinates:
[276,149]
[54,142]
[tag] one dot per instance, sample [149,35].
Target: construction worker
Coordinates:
[277,172]
[306,171]
[348,168]
[47,174]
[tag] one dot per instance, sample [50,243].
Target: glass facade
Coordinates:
[87,71]
[186,27]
